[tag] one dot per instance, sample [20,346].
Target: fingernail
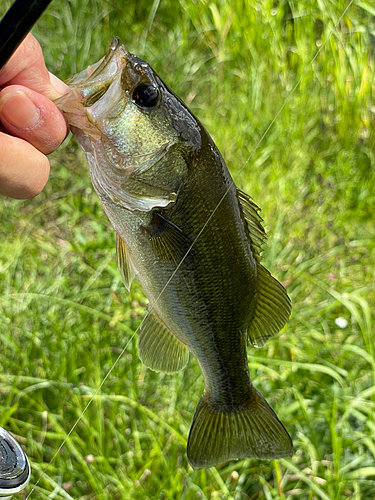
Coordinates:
[60,86]
[18,110]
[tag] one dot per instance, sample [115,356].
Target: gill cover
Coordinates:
[120,112]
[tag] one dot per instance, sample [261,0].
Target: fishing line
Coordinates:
[198,236]
[256,147]
[83,411]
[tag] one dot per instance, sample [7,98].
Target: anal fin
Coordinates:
[158,348]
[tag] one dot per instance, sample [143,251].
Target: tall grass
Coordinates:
[65,316]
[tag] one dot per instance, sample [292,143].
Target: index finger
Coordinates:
[26,67]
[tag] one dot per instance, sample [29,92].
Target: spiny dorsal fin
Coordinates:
[222,432]
[158,348]
[168,241]
[124,263]
[254,223]
[273,306]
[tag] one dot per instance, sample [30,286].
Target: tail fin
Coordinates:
[221,433]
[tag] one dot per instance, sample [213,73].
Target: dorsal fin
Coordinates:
[124,263]
[273,305]
[272,309]
[158,348]
[254,223]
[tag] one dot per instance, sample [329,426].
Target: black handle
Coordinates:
[14,466]
[17,23]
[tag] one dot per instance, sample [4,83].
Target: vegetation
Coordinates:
[67,322]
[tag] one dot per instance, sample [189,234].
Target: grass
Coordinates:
[65,316]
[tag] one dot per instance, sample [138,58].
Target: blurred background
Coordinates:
[65,316]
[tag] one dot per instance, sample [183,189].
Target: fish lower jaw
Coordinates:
[81,125]
[77,116]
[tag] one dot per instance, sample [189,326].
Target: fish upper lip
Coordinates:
[94,78]
[102,68]
[88,83]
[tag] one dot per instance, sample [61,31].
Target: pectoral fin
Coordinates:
[273,306]
[158,348]
[124,263]
[168,241]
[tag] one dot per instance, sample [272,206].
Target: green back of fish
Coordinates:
[193,239]
[214,291]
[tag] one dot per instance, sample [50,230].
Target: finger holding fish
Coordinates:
[27,115]
[31,125]
[297,176]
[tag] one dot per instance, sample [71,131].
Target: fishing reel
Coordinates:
[14,466]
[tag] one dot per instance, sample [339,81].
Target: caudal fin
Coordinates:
[221,433]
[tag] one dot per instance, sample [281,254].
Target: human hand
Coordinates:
[31,126]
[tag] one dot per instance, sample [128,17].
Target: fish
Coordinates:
[193,239]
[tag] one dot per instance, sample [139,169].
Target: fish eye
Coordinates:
[146,95]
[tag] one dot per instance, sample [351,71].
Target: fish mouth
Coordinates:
[89,85]
[99,76]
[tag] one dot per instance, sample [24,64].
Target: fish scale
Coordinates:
[194,242]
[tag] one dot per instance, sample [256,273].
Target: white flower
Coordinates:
[341,322]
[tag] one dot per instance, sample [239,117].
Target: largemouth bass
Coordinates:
[194,241]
